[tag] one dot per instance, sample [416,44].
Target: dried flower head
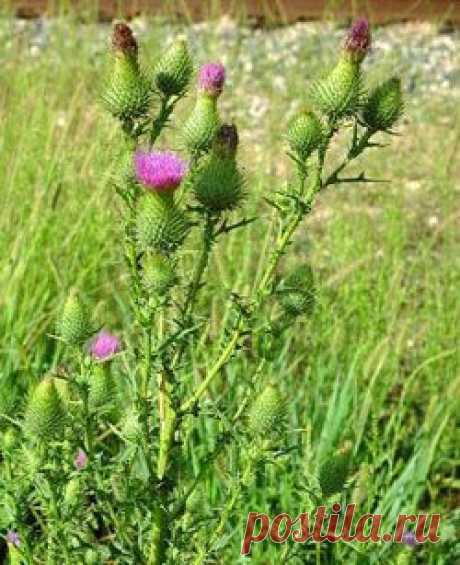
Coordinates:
[12,538]
[161,171]
[212,78]
[81,460]
[226,140]
[123,40]
[104,346]
[358,40]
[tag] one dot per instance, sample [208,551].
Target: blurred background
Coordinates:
[384,338]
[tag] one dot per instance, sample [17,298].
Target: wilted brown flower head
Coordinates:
[226,140]
[123,39]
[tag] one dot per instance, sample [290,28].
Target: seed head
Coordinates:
[358,40]
[104,346]
[212,78]
[160,171]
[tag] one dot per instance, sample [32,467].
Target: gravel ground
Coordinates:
[268,69]
[429,60]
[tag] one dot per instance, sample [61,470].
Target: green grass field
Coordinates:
[378,362]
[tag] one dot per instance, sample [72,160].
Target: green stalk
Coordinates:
[208,240]
[232,500]
[167,417]
[161,120]
[260,293]
[169,420]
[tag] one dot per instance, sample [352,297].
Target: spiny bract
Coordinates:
[45,412]
[202,125]
[174,70]
[102,388]
[339,94]
[384,106]
[304,134]
[127,95]
[158,273]
[297,292]
[266,411]
[218,184]
[74,326]
[334,471]
[160,224]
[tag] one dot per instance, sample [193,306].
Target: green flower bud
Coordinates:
[201,127]
[74,326]
[102,389]
[339,95]
[297,292]
[384,106]
[8,440]
[174,70]
[160,224]
[158,273]
[127,94]
[266,412]
[334,472]
[45,412]
[92,557]
[73,493]
[304,134]
[63,389]
[218,184]
[131,428]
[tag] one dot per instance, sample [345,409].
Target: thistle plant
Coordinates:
[106,437]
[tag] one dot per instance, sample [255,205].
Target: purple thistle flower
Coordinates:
[358,40]
[81,460]
[409,539]
[211,78]
[12,538]
[160,170]
[104,346]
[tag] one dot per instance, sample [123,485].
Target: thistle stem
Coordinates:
[166,108]
[355,150]
[232,500]
[260,293]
